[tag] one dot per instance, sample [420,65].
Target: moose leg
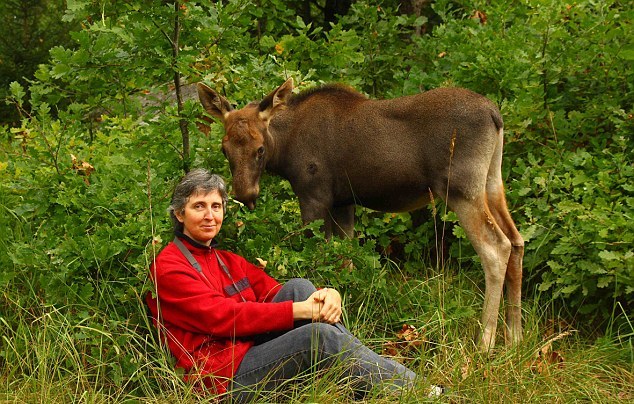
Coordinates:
[342,218]
[494,249]
[313,209]
[513,280]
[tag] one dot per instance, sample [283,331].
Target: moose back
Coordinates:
[338,149]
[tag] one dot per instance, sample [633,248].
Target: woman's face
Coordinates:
[202,216]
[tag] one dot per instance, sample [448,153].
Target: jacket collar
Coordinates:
[195,243]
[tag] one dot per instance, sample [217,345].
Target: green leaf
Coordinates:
[569,289]
[627,53]
[300,22]
[529,232]
[610,255]
[17,91]
[605,281]
[60,70]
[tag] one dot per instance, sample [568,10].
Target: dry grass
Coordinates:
[51,360]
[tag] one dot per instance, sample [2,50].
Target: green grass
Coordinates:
[50,359]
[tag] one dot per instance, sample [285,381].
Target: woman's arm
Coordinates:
[323,305]
[198,304]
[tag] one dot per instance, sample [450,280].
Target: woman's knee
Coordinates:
[329,339]
[301,284]
[296,289]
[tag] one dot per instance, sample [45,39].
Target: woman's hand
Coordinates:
[323,305]
[331,305]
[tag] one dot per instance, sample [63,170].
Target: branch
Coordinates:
[182,122]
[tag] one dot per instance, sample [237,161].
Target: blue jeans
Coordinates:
[313,347]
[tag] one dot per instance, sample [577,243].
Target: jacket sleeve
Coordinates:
[194,303]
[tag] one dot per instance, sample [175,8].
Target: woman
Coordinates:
[233,327]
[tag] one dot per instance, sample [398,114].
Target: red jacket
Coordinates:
[206,324]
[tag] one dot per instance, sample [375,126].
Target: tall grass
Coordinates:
[50,359]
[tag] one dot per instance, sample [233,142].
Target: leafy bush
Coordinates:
[563,77]
[86,176]
[579,227]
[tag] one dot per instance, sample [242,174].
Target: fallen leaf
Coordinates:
[465,369]
[81,167]
[408,338]
[408,333]
[389,348]
[480,15]
[261,263]
[545,357]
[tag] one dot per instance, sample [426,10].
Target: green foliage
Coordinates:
[579,228]
[563,78]
[28,29]
[86,174]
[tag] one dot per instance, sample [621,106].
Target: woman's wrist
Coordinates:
[300,311]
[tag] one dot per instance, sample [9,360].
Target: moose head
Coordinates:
[247,143]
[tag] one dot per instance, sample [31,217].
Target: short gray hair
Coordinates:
[196,181]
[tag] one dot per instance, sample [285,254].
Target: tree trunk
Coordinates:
[182,122]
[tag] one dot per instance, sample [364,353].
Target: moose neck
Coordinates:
[276,144]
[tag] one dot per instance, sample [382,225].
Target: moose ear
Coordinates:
[276,100]
[215,104]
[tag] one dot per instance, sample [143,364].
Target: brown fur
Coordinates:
[337,149]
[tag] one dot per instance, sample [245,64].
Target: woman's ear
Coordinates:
[179,216]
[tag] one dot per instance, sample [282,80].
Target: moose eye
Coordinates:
[261,151]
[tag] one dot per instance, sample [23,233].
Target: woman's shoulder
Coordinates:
[168,252]
[169,257]
[229,255]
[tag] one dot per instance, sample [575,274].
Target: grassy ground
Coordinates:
[50,359]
